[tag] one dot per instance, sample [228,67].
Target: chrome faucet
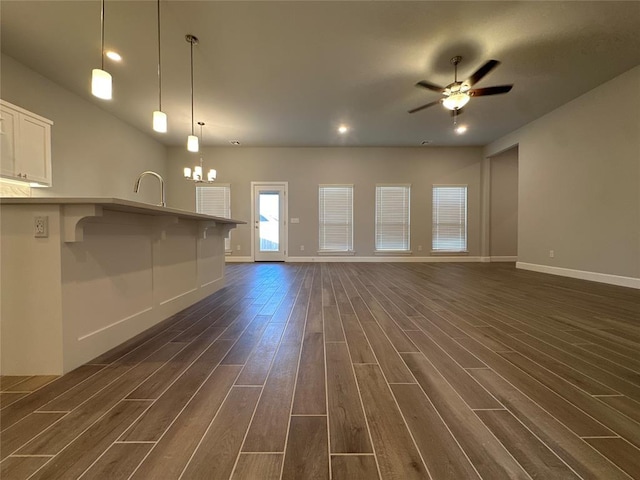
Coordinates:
[157,175]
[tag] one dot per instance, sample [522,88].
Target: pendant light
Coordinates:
[197,170]
[101,80]
[159,117]
[192,140]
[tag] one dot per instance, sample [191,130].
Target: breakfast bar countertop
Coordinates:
[117,204]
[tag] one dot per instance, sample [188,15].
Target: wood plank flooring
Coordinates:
[350,371]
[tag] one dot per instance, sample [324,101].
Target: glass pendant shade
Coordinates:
[187,172]
[192,143]
[456,100]
[160,121]
[211,176]
[101,84]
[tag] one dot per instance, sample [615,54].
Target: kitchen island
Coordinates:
[82,275]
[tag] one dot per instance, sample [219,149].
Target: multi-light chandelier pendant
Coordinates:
[197,174]
[101,87]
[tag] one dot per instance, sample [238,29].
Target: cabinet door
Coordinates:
[34,160]
[8,141]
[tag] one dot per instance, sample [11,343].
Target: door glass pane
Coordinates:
[269,208]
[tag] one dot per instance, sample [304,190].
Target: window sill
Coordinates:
[392,252]
[451,252]
[334,253]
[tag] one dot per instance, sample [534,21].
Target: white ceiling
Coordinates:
[288,73]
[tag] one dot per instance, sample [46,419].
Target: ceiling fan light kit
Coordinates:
[456,100]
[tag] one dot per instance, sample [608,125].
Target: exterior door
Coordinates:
[269,221]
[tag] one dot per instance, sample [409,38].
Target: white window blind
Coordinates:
[336,218]
[392,217]
[449,218]
[215,200]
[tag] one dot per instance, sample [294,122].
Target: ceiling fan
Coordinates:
[457,94]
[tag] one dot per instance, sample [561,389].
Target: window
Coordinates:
[215,200]
[336,218]
[449,232]
[392,217]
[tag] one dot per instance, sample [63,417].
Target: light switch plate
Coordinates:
[295,220]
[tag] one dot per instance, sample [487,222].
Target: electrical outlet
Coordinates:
[41,227]
[419,248]
[238,247]
[552,253]
[302,248]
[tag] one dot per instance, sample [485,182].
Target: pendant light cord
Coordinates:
[102,36]
[159,64]
[201,124]
[191,42]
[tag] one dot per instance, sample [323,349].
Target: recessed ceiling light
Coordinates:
[234,142]
[343,129]
[461,129]
[115,56]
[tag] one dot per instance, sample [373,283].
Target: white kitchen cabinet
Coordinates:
[25,142]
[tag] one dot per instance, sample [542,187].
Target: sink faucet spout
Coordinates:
[159,177]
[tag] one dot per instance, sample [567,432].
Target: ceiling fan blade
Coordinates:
[430,86]
[425,106]
[479,92]
[481,72]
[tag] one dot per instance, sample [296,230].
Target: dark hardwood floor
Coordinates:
[351,371]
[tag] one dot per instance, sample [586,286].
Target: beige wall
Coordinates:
[504,204]
[305,168]
[93,153]
[579,189]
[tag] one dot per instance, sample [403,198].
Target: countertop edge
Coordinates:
[117,204]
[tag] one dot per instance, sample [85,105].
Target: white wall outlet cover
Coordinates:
[41,227]
[295,220]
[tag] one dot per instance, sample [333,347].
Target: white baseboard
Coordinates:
[380,259]
[237,259]
[504,259]
[618,280]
